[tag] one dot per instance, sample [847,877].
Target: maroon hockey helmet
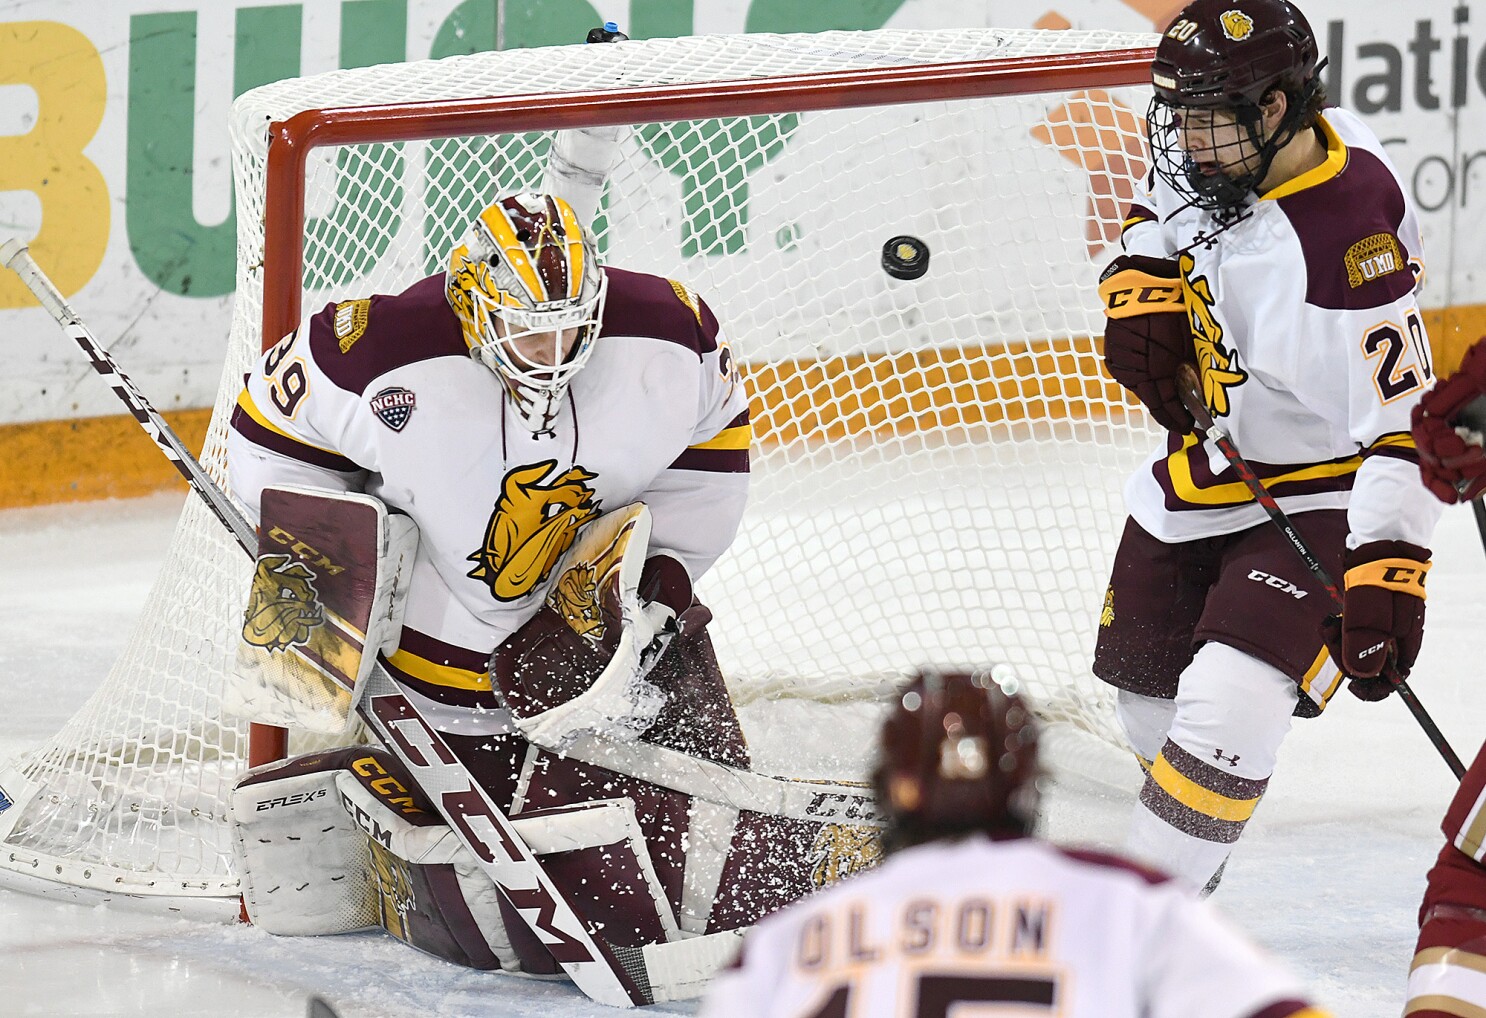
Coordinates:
[1232,53]
[956,754]
[1228,55]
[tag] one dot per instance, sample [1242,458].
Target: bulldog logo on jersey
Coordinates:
[1216,363]
[839,850]
[393,406]
[532,525]
[283,607]
[1237,25]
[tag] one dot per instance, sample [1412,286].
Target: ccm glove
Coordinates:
[1147,334]
[1377,637]
[1448,423]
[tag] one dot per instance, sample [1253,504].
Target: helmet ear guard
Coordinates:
[527,269]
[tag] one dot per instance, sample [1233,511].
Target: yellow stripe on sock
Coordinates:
[1204,800]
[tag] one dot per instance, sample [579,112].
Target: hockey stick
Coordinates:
[13,254]
[1191,393]
[483,829]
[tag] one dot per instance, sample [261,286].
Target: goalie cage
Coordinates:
[937,462]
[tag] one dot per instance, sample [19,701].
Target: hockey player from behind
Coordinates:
[1448,974]
[1275,247]
[969,908]
[512,407]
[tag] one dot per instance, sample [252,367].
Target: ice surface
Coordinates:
[1328,874]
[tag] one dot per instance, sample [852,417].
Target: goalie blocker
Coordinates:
[614,695]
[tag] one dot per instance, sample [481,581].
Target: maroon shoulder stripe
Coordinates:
[1281,1009]
[717,461]
[275,442]
[1115,862]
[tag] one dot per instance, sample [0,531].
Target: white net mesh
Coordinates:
[937,468]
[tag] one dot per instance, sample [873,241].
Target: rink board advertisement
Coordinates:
[115,163]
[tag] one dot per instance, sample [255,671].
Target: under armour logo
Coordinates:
[1232,761]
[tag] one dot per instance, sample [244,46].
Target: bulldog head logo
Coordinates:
[1237,25]
[283,607]
[839,850]
[532,525]
[575,597]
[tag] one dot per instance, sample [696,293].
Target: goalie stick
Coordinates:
[618,977]
[14,255]
[1190,387]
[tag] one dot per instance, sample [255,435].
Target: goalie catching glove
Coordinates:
[1147,335]
[580,664]
[1376,639]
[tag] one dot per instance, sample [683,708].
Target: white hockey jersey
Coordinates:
[1311,347]
[1009,927]
[380,395]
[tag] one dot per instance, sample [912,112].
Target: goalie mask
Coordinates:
[956,755]
[529,294]
[1214,69]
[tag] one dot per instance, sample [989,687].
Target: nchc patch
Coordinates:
[350,321]
[1372,258]
[5,801]
[394,405]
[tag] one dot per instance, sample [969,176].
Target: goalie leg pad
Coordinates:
[549,780]
[301,857]
[334,842]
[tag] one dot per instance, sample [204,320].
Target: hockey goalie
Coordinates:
[492,493]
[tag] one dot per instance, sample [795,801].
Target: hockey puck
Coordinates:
[905,257]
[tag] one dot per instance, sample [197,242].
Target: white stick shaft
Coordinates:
[14,255]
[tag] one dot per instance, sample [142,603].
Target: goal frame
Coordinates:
[291,141]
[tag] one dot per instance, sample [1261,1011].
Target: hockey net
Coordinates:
[937,463]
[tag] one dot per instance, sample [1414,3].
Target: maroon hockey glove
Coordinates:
[1452,465]
[1377,637]
[1147,335]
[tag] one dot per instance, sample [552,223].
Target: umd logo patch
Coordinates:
[393,406]
[1237,25]
[1372,258]
[351,317]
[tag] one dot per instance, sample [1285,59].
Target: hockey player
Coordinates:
[1448,976]
[1276,248]
[514,406]
[970,909]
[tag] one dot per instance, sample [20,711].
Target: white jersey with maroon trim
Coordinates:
[381,395]
[1311,346]
[1013,927]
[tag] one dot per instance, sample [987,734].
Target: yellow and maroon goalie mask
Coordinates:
[529,294]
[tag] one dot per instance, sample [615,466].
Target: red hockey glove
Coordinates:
[1452,465]
[1377,637]
[1147,335]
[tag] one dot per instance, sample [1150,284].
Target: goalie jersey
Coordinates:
[1016,926]
[1311,347]
[381,395]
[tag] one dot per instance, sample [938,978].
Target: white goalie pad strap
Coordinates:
[682,969]
[300,857]
[709,838]
[605,563]
[327,597]
[794,798]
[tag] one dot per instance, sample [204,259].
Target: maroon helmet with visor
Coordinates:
[957,754]
[1228,55]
